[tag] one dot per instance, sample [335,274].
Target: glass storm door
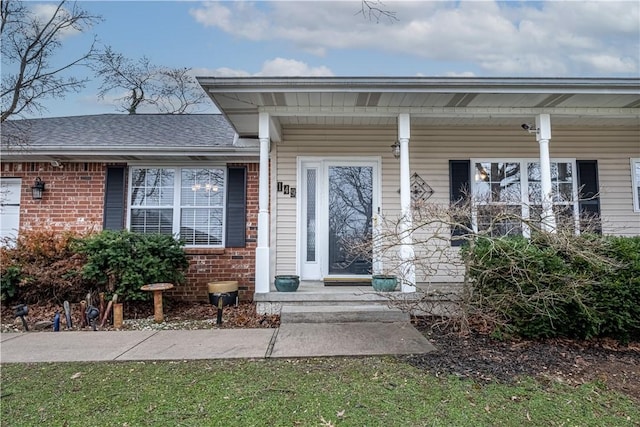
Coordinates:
[337,211]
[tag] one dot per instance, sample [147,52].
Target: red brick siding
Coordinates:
[74,200]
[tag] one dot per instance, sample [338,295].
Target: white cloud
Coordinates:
[462,74]
[240,18]
[273,67]
[607,63]
[542,38]
[219,72]
[291,67]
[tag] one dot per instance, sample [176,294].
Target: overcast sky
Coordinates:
[326,38]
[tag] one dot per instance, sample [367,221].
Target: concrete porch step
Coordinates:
[341,314]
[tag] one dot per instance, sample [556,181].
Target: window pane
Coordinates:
[497,182]
[152,221]
[564,193]
[201,226]
[500,220]
[535,193]
[482,187]
[311,214]
[565,216]
[202,187]
[561,182]
[509,182]
[152,187]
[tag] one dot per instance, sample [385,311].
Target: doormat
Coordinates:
[347,282]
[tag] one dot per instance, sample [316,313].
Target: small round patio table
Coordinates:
[157,289]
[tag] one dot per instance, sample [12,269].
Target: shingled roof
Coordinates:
[123,137]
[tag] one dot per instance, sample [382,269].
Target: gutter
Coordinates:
[422,84]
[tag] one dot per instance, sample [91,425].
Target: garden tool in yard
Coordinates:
[101,299]
[220,305]
[20,311]
[93,314]
[88,302]
[83,314]
[109,307]
[56,322]
[67,314]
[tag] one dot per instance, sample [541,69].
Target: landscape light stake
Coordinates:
[220,305]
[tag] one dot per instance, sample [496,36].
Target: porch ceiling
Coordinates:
[364,101]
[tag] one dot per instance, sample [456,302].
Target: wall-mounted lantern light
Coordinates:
[395,149]
[37,189]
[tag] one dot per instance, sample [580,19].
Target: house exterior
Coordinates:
[316,156]
[187,175]
[332,171]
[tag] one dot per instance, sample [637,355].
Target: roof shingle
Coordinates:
[110,131]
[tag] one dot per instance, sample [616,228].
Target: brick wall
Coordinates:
[74,200]
[73,197]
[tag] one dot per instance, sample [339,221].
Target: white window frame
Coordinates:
[177,200]
[524,186]
[635,183]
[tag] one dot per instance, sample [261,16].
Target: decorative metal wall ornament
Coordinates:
[419,189]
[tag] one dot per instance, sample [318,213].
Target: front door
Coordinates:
[337,206]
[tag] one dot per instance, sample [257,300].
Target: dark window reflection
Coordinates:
[350,213]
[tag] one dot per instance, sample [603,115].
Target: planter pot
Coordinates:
[383,283]
[227,290]
[287,283]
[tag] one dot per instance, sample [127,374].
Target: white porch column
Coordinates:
[408,270]
[543,135]
[262,273]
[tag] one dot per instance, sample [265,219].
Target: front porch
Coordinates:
[338,154]
[315,302]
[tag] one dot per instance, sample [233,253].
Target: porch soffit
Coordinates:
[433,102]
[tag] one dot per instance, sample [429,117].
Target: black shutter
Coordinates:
[113,216]
[459,191]
[236,207]
[589,195]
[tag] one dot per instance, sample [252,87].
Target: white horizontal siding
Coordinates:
[430,152]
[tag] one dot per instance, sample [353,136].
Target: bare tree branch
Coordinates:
[119,72]
[169,90]
[375,10]
[178,91]
[29,44]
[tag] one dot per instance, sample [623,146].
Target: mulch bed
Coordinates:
[479,357]
[139,315]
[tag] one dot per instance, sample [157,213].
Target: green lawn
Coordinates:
[302,392]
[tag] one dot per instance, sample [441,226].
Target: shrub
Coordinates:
[42,266]
[617,295]
[557,284]
[123,261]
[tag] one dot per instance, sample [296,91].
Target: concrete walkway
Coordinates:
[290,340]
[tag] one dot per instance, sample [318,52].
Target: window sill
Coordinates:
[205,251]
